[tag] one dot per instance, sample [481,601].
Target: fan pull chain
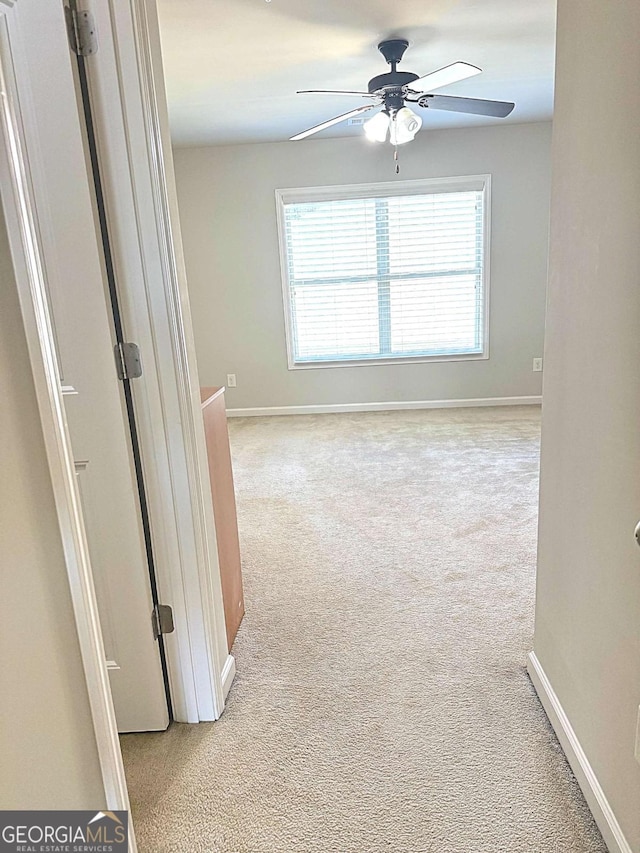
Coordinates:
[397,162]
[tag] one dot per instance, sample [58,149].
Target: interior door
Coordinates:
[95,409]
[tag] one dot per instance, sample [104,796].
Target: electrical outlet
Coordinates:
[537,365]
[637,749]
[231,380]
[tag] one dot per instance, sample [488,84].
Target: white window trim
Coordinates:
[299,195]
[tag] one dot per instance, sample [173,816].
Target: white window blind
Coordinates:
[385,272]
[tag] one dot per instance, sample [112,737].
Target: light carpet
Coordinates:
[381,701]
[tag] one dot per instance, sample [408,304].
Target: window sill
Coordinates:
[375,362]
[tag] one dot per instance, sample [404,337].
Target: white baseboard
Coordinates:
[587,779]
[228,674]
[332,408]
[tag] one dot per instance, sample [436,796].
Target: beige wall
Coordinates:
[48,755]
[588,610]
[228,216]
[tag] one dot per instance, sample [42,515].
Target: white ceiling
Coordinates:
[233,66]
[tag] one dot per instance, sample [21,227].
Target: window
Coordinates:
[385,272]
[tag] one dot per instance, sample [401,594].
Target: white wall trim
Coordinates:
[333,408]
[25,221]
[228,674]
[584,773]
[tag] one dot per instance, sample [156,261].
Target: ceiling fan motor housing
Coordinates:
[393,81]
[391,84]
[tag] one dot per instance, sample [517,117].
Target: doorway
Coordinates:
[51,224]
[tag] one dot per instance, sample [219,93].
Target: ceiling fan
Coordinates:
[392,91]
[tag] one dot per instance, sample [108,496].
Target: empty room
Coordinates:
[371,297]
[320,507]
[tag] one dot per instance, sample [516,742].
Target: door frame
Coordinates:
[132,130]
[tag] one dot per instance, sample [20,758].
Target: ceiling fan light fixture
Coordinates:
[377,128]
[404,126]
[392,90]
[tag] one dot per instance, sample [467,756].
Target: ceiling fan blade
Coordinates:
[331,122]
[335,92]
[477,106]
[444,77]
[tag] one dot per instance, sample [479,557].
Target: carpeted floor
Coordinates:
[381,701]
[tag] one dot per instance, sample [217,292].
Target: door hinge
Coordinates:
[81,28]
[162,620]
[128,363]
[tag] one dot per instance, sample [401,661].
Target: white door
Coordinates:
[93,394]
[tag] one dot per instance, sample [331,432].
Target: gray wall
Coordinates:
[587,634]
[227,210]
[47,745]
